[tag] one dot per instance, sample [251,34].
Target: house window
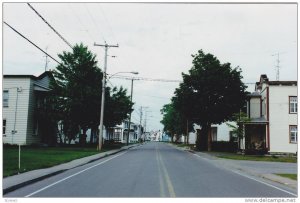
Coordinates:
[293,134]
[4,127]
[293,104]
[5,98]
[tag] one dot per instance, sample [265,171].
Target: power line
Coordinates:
[93,20]
[82,79]
[107,22]
[146,79]
[31,42]
[50,26]
[80,22]
[156,80]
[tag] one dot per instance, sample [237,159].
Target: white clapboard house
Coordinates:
[21,95]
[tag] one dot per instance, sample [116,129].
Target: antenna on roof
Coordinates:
[47,60]
[277,67]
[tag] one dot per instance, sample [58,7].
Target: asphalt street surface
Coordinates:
[152,170]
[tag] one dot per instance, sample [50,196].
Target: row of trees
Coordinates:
[75,99]
[211,93]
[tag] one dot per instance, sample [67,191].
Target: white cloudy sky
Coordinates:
[156,40]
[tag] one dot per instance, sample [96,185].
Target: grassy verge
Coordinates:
[43,157]
[256,158]
[183,145]
[290,176]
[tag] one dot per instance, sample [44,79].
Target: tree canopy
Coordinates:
[77,94]
[210,93]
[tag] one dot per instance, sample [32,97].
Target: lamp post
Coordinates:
[132,72]
[102,103]
[130,111]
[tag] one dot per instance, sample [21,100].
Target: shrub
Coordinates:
[224,146]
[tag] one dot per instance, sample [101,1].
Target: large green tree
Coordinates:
[172,121]
[210,94]
[78,89]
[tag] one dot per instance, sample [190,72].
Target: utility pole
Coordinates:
[145,122]
[141,117]
[103,92]
[130,112]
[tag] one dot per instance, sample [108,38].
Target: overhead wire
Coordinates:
[93,20]
[31,42]
[80,22]
[50,26]
[107,22]
[82,79]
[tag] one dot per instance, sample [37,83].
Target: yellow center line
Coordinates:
[166,175]
[161,182]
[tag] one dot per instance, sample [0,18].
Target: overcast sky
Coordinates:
[156,40]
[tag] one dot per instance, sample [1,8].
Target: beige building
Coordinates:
[273,111]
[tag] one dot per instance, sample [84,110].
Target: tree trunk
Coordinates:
[82,137]
[209,138]
[202,138]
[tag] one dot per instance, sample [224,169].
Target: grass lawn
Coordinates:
[42,157]
[183,145]
[255,158]
[290,176]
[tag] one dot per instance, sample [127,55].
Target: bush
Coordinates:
[224,146]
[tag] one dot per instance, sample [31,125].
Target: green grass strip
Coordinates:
[290,176]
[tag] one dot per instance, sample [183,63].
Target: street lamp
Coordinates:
[102,107]
[130,109]
[132,72]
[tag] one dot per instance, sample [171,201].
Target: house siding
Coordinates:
[255,108]
[12,84]
[43,82]
[31,138]
[280,119]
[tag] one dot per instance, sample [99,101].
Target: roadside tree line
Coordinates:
[211,93]
[73,105]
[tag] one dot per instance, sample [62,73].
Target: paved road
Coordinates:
[152,170]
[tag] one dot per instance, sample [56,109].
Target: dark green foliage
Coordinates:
[210,94]
[76,97]
[172,121]
[117,107]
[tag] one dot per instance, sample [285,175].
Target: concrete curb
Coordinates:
[270,176]
[15,182]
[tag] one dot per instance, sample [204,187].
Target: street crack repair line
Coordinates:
[75,174]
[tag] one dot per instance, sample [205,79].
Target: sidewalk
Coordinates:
[17,181]
[261,169]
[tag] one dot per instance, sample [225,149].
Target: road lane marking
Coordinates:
[167,177]
[270,185]
[75,174]
[161,183]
